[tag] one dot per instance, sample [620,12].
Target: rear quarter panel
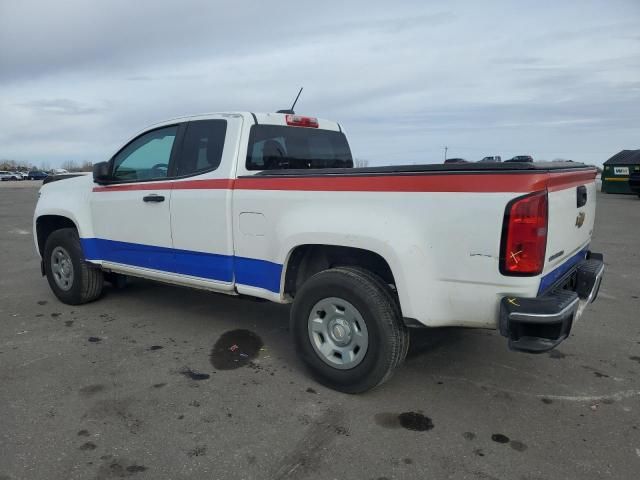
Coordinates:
[442,247]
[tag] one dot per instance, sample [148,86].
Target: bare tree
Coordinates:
[361,163]
[44,166]
[8,164]
[86,166]
[70,165]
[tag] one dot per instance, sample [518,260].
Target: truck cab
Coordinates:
[163,202]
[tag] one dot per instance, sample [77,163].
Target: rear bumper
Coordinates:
[538,324]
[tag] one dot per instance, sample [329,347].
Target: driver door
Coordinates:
[131,216]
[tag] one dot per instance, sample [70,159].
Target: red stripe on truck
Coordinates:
[562,180]
[210,184]
[399,183]
[435,182]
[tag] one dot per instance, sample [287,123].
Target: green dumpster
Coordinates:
[615,175]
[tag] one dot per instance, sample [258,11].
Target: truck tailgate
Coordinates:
[572,202]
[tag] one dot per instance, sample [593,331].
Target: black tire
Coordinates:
[388,338]
[87,279]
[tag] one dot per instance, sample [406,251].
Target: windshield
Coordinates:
[277,147]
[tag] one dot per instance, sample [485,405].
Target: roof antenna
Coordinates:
[290,111]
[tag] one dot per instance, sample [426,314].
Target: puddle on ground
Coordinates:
[414,421]
[235,349]
[517,446]
[499,438]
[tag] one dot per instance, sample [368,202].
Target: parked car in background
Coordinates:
[37,175]
[59,171]
[288,221]
[18,175]
[455,160]
[7,176]
[521,158]
[495,158]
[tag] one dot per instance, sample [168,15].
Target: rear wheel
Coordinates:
[73,280]
[348,329]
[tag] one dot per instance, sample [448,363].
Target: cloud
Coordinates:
[404,79]
[59,106]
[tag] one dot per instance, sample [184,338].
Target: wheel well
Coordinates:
[47,224]
[307,260]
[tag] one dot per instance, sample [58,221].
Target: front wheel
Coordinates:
[73,280]
[348,329]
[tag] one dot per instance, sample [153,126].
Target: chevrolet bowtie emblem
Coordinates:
[580,219]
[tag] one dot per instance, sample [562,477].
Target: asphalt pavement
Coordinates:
[139,385]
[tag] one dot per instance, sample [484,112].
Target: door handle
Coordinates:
[581,196]
[153,198]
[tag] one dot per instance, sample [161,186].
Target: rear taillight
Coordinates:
[300,121]
[524,235]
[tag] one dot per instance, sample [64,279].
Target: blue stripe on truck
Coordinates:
[212,266]
[554,275]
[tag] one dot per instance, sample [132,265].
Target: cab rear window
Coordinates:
[274,147]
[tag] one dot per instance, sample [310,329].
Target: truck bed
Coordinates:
[507,167]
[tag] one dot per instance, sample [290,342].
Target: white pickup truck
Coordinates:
[270,206]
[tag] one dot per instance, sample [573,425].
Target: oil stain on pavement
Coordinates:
[413,421]
[499,438]
[515,444]
[235,349]
[117,468]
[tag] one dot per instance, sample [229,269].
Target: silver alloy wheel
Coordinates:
[338,333]
[62,268]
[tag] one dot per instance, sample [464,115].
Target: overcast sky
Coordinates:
[551,79]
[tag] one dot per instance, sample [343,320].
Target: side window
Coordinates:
[147,157]
[202,147]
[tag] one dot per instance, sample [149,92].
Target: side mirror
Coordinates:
[101,173]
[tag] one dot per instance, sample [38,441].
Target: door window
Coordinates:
[147,157]
[202,147]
